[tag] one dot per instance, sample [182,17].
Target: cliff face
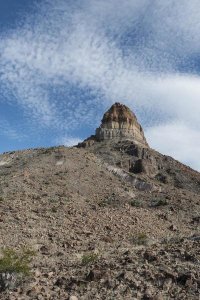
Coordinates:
[119,122]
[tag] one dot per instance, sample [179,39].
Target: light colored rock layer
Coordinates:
[120,123]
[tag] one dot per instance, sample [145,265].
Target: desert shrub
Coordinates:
[172,240]
[47,150]
[135,203]
[110,200]
[89,258]
[158,202]
[53,200]
[14,267]
[16,262]
[140,239]
[162,177]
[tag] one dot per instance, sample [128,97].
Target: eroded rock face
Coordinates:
[119,122]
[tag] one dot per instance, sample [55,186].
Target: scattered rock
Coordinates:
[73,298]
[173,228]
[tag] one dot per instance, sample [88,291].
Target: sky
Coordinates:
[63,63]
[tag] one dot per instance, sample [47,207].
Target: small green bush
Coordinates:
[12,261]
[110,200]
[89,258]
[140,239]
[53,200]
[135,203]
[158,202]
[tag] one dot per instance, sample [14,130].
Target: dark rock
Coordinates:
[185,278]
[173,227]
[95,275]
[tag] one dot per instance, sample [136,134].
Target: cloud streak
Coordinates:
[178,140]
[7,130]
[129,51]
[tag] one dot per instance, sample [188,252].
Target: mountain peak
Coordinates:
[119,123]
[119,113]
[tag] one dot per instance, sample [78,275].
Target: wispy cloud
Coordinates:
[178,140]
[6,129]
[130,51]
[68,141]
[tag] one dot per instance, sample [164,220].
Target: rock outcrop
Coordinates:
[119,122]
[120,142]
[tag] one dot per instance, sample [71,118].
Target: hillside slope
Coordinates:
[100,229]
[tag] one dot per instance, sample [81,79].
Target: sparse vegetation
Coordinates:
[1,199]
[110,200]
[135,203]
[158,202]
[140,239]
[89,258]
[162,178]
[53,200]
[12,261]
[14,267]
[47,150]
[173,240]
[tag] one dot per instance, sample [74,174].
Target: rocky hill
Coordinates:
[108,219]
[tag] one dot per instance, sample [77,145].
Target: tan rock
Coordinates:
[73,298]
[119,122]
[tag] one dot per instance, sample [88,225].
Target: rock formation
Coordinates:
[118,123]
[121,143]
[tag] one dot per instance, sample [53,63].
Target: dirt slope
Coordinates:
[96,233]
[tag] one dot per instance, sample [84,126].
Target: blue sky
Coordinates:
[64,62]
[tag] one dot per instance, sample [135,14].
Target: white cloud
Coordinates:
[6,129]
[177,140]
[68,141]
[176,96]
[81,44]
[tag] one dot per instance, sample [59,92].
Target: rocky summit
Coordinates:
[108,219]
[119,122]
